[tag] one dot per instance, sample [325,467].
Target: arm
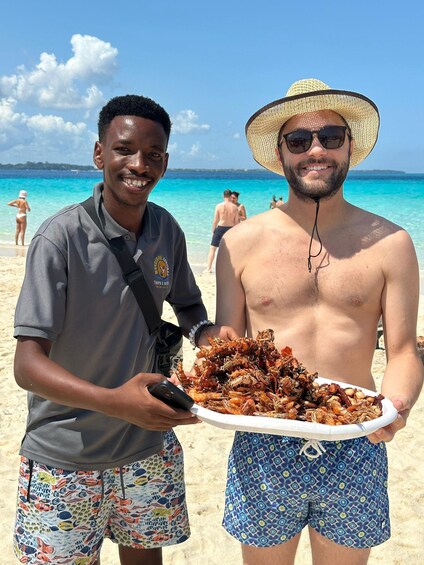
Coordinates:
[236,215]
[215,218]
[13,203]
[243,214]
[185,289]
[230,296]
[39,320]
[403,377]
[35,372]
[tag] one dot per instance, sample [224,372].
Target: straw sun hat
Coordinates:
[312,95]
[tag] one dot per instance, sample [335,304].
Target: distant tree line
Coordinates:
[39,166]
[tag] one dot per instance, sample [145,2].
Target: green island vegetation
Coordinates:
[44,166]
[39,166]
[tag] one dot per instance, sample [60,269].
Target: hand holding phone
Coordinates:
[171,394]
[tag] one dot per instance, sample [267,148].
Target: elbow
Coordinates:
[24,365]
[21,375]
[29,360]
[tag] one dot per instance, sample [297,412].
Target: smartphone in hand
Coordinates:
[171,394]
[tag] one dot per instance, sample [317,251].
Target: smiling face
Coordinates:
[318,172]
[133,157]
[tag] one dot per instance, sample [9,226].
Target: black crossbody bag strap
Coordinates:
[133,275]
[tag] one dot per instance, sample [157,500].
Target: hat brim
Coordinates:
[360,113]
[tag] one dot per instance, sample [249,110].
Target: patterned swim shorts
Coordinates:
[68,513]
[273,491]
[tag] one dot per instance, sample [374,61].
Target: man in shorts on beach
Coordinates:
[99,457]
[320,272]
[225,217]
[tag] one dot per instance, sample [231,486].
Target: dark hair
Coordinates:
[236,193]
[132,105]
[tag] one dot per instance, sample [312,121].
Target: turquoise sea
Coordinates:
[191,197]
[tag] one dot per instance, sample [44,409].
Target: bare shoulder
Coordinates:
[378,229]
[245,241]
[383,238]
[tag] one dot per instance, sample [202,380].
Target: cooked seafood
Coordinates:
[251,377]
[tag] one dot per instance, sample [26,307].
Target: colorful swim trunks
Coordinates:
[66,514]
[274,491]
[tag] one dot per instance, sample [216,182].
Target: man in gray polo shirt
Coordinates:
[99,457]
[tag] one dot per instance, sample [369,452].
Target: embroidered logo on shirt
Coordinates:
[161,270]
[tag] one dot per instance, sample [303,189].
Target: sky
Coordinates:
[211,65]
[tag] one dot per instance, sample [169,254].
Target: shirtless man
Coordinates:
[326,274]
[242,209]
[226,216]
[279,203]
[273,202]
[21,220]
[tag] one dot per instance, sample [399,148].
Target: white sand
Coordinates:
[206,450]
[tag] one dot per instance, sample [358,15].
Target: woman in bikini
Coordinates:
[21,220]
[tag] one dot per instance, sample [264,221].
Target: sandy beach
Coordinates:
[206,450]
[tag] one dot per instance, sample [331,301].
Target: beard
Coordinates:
[322,189]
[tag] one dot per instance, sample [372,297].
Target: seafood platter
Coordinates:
[249,385]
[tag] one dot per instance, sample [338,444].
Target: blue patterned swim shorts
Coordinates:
[66,514]
[273,491]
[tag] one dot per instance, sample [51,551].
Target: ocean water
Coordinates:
[191,197]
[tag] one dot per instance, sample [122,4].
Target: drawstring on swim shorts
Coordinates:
[30,470]
[314,230]
[312,444]
[122,482]
[121,479]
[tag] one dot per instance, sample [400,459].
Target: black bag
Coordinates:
[169,348]
[169,337]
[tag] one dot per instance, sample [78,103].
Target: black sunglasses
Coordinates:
[300,140]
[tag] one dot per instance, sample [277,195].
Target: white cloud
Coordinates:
[41,137]
[65,85]
[35,105]
[236,136]
[11,123]
[54,124]
[186,121]
[194,150]
[70,85]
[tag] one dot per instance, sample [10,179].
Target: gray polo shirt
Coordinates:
[75,296]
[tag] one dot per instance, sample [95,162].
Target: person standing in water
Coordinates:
[242,210]
[21,219]
[225,217]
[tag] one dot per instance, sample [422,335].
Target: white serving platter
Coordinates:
[297,428]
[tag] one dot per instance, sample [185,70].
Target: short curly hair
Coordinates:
[132,105]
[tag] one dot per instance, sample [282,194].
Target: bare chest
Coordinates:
[277,278]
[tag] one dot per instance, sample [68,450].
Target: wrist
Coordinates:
[196,330]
